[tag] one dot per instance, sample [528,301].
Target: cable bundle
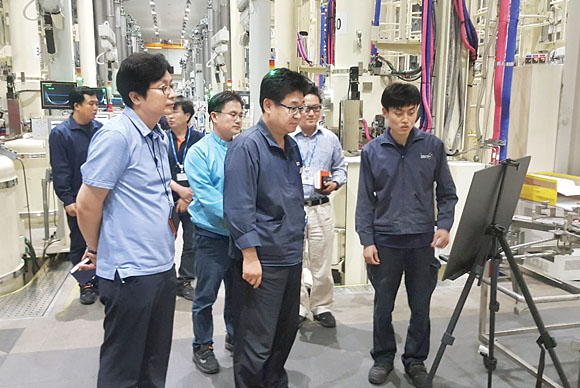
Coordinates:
[329,31]
[403,75]
[301,50]
[468,33]
[427,57]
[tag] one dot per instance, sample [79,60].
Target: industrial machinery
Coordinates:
[11,262]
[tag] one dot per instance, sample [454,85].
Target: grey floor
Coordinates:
[61,347]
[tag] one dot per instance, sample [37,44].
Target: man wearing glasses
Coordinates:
[264,212]
[320,151]
[124,212]
[204,166]
[181,140]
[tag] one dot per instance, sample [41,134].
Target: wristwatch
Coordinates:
[91,251]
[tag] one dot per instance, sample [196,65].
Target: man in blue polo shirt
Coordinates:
[124,209]
[395,222]
[264,212]
[204,167]
[68,143]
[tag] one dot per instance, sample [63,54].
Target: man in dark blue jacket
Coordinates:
[69,143]
[396,223]
[181,139]
[264,212]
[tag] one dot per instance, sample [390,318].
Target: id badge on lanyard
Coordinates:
[181,177]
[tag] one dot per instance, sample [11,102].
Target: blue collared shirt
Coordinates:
[68,143]
[263,197]
[204,167]
[131,161]
[395,192]
[327,156]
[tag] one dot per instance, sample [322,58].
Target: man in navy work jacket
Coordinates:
[124,209]
[264,212]
[69,143]
[395,222]
[181,139]
[204,167]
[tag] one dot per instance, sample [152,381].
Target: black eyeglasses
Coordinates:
[166,89]
[292,110]
[314,108]
[233,115]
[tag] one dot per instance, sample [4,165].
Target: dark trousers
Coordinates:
[186,271]
[420,268]
[77,241]
[212,265]
[266,324]
[138,328]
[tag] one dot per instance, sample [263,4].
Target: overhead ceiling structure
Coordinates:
[172,20]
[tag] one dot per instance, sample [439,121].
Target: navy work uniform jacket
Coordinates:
[69,143]
[395,194]
[263,197]
[186,145]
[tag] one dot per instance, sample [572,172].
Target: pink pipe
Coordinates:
[424,80]
[458,4]
[367,134]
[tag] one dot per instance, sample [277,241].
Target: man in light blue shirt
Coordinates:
[204,167]
[124,208]
[320,151]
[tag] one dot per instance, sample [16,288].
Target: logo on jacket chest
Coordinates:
[426,156]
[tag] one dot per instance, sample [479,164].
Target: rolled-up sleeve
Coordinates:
[240,194]
[366,202]
[107,159]
[445,193]
[338,164]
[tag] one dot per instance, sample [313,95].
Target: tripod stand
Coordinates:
[477,250]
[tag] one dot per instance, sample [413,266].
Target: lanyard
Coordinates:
[184,150]
[155,160]
[311,155]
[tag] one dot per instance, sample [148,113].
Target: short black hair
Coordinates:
[398,95]
[217,102]
[278,83]
[186,106]
[313,89]
[77,95]
[137,72]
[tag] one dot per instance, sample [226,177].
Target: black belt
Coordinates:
[317,201]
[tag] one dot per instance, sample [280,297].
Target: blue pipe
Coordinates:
[508,75]
[376,23]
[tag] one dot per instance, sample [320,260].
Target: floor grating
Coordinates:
[35,299]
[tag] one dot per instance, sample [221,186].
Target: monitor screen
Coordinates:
[55,94]
[101,96]
[117,101]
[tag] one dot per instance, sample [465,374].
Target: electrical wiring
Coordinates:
[376,21]
[301,50]
[466,33]
[27,200]
[26,8]
[427,56]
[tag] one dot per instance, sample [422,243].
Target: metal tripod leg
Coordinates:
[448,338]
[545,340]
[489,360]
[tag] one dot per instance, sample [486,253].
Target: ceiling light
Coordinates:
[185,17]
[187,9]
[152,2]
[153,12]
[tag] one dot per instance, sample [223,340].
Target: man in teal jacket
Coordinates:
[204,167]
